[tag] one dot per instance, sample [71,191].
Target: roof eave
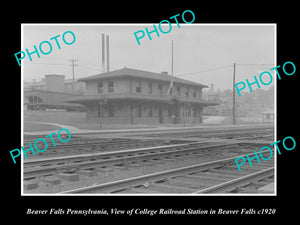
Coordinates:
[87,79]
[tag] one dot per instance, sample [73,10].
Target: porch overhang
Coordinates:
[170,99]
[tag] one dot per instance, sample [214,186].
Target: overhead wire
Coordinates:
[226,66]
[255,64]
[56,64]
[202,71]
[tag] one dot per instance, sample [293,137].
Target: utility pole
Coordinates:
[233,97]
[170,89]
[172,60]
[73,65]
[102,100]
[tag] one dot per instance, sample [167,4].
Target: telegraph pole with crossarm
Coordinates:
[73,65]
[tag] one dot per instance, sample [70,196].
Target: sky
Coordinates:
[203,53]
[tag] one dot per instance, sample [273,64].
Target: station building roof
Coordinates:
[127,72]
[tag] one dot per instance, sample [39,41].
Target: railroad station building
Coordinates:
[131,96]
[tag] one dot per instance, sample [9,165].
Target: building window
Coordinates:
[110,86]
[111,112]
[138,87]
[186,94]
[178,91]
[194,94]
[149,88]
[100,87]
[30,98]
[160,91]
[39,100]
[200,93]
[169,112]
[195,112]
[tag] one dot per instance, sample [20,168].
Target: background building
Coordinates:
[57,83]
[50,93]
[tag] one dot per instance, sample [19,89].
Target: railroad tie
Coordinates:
[29,185]
[88,173]
[69,176]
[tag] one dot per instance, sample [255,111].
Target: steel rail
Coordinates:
[257,136]
[205,135]
[94,156]
[233,184]
[118,159]
[236,132]
[103,144]
[124,184]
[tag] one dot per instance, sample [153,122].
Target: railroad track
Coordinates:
[104,163]
[108,154]
[41,167]
[236,133]
[239,134]
[104,141]
[78,145]
[94,145]
[217,176]
[257,137]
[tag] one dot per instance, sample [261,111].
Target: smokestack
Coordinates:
[107,53]
[103,53]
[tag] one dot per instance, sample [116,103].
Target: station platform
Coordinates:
[135,128]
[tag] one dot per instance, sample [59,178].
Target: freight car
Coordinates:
[42,100]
